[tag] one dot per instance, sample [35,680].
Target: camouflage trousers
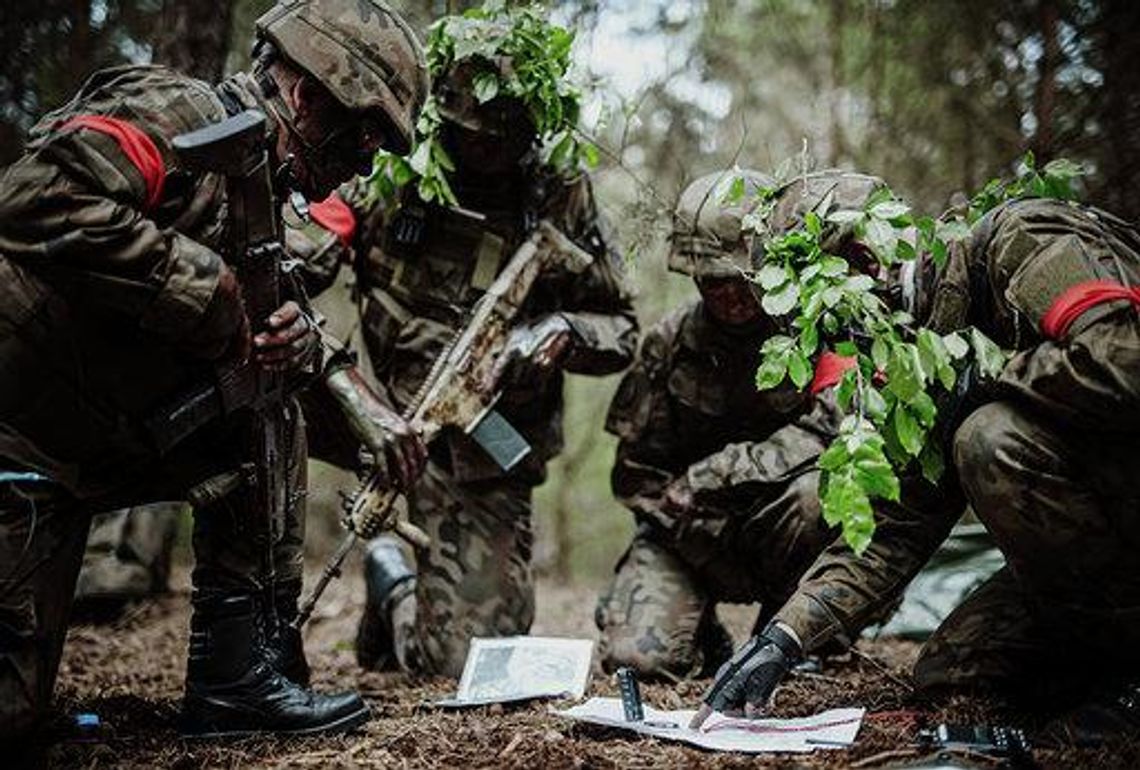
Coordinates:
[44,530]
[1063,506]
[475,578]
[658,615]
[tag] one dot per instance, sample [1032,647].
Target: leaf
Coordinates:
[909,433]
[781,301]
[955,345]
[881,237]
[834,456]
[924,408]
[845,216]
[1064,168]
[799,370]
[486,86]
[889,209]
[833,266]
[990,358]
[772,276]
[809,339]
[876,404]
[880,353]
[777,343]
[858,283]
[932,351]
[904,372]
[771,372]
[932,462]
[812,223]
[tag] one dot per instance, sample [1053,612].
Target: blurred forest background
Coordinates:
[936,97]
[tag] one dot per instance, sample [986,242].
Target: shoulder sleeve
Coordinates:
[80,208]
[842,592]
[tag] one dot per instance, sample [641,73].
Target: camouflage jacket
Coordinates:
[128,265]
[1021,258]
[423,266]
[688,409]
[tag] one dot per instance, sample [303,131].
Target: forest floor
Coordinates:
[130,673]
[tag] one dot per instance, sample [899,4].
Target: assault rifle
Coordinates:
[454,395]
[236,148]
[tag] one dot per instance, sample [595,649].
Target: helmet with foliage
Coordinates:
[708,239]
[824,193]
[361,50]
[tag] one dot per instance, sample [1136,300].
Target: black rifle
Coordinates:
[236,148]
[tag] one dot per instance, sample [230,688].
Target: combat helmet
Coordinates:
[708,240]
[361,50]
[822,192]
[457,101]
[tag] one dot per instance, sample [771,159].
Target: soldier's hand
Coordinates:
[532,351]
[399,451]
[290,342]
[744,684]
[677,501]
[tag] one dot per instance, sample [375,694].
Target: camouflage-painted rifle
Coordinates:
[454,394]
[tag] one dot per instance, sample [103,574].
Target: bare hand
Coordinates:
[290,342]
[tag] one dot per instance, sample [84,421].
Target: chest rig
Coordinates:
[437,261]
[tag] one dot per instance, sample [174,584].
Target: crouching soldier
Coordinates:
[720,477]
[118,294]
[1048,464]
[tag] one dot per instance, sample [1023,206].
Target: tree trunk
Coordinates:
[1120,114]
[193,37]
[1046,92]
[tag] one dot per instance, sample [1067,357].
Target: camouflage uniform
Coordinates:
[128,554]
[1048,465]
[92,289]
[421,267]
[689,409]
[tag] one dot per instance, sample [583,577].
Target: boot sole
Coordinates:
[342,725]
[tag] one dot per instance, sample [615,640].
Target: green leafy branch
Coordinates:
[901,373]
[519,54]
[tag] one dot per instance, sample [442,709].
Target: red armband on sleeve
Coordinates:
[829,370]
[336,216]
[139,148]
[1078,300]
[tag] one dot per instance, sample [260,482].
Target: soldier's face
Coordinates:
[329,144]
[729,301]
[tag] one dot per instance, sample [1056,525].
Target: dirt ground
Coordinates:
[130,674]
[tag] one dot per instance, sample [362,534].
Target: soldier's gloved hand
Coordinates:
[290,342]
[746,682]
[532,350]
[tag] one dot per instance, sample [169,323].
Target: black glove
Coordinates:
[744,683]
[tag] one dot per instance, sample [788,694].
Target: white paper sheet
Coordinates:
[522,667]
[831,729]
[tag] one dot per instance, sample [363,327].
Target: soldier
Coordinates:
[116,296]
[421,266]
[1048,464]
[713,526]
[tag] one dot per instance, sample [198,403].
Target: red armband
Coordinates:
[1077,300]
[139,148]
[336,216]
[829,370]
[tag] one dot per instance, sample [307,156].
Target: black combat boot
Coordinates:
[285,641]
[385,569]
[232,688]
